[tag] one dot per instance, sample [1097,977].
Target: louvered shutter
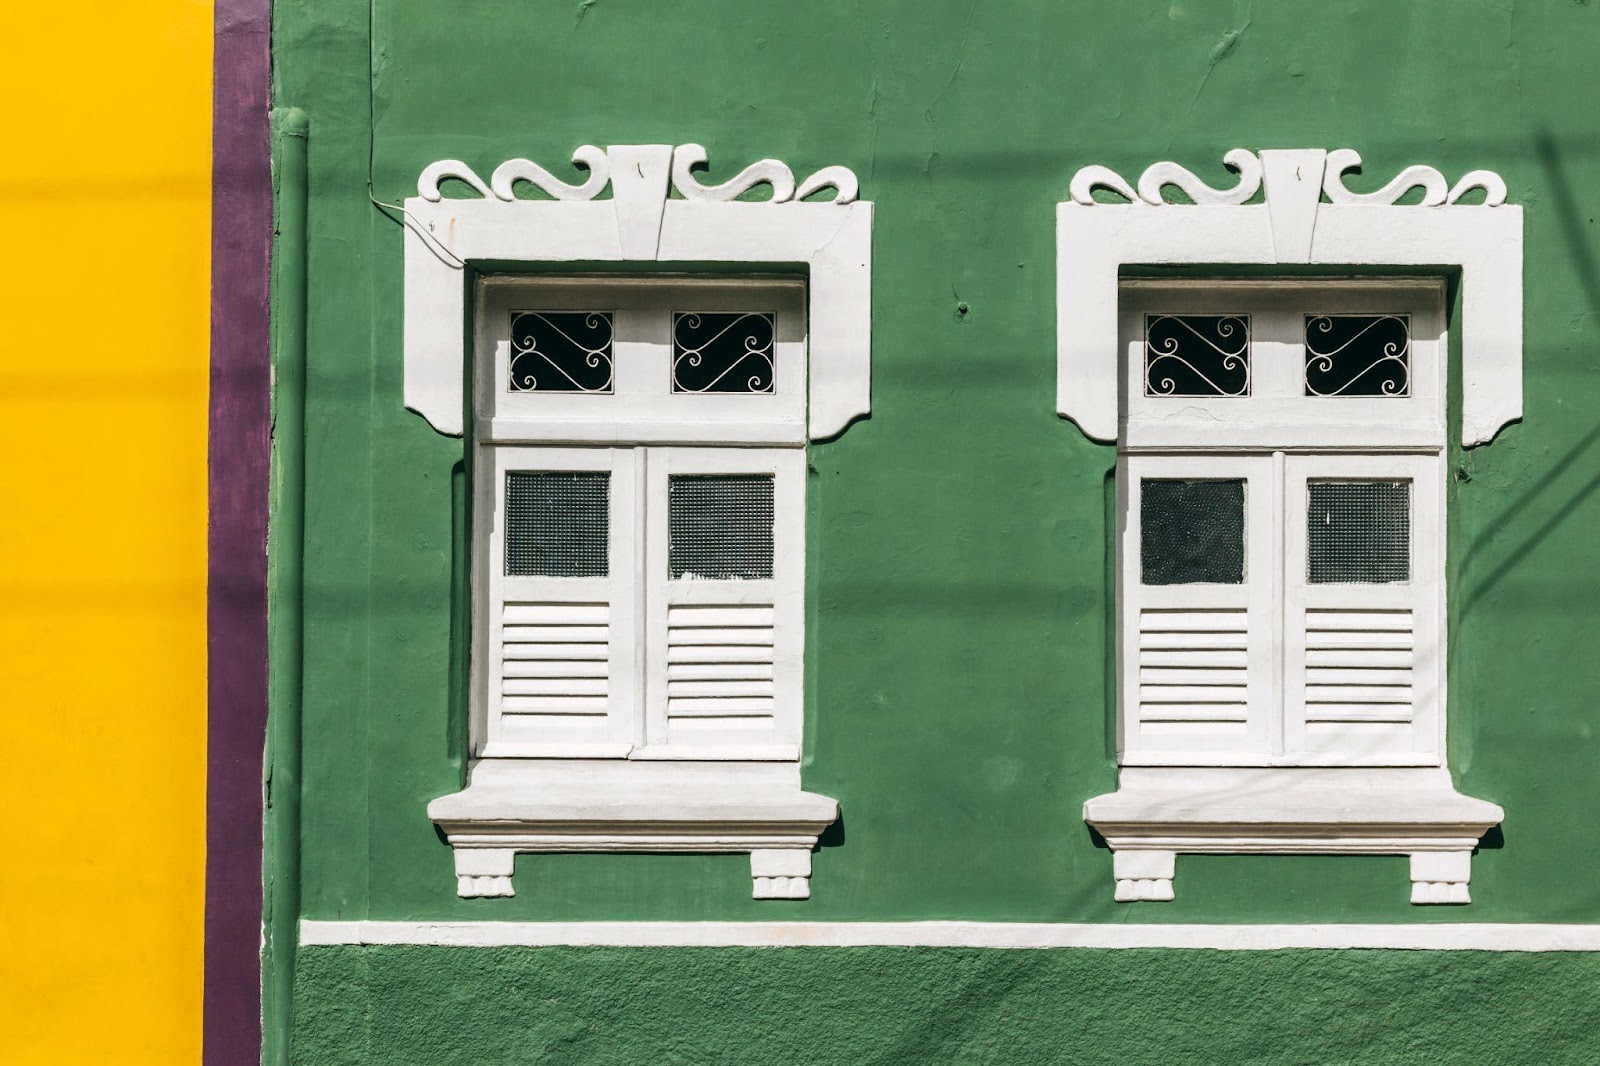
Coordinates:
[1362,606]
[1197,588]
[725,602]
[559,660]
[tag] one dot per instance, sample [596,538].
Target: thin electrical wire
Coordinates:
[408,220]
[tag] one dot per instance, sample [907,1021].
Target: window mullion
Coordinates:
[649,591]
[1280,578]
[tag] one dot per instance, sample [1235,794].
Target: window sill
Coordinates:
[1158,813]
[531,805]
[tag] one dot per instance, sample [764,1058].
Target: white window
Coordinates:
[1280,641]
[637,599]
[1282,484]
[638,446]
[639,585]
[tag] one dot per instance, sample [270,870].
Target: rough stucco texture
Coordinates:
[483,1007]
[958,684]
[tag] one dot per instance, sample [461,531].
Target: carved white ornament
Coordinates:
[685,157]
[640,221]
[1306,216]
[1156,176]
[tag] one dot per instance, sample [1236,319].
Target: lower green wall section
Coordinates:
[486,1006]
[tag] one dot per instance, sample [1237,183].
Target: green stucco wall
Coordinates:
[908,1007]
[958,695]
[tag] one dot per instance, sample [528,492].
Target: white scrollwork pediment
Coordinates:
[639,203]
[1290,206]
[1436,191]
[601,163]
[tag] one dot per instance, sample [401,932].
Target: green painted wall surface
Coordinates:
[416,1005]
[958,703]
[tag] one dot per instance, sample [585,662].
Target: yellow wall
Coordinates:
[104,208]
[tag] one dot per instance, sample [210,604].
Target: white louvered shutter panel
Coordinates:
[725,602]
[559,658]
[1197,587]
[1362,607]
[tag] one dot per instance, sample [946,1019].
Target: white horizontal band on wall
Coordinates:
[1435,937]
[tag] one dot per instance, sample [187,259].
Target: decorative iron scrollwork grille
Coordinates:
[561,351]
[1358,355]
[1197,355]
[715,351]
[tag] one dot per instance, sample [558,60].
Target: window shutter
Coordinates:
[560,661]
[725,601]
[1196,613]
[1363,617]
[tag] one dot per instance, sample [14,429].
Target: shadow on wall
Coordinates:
[1586,270]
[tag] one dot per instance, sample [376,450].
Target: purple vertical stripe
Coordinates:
[236,602]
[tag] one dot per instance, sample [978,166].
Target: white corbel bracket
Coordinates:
[1095,241]
[640,223]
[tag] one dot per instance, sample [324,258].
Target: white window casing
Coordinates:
[1291,700]
[652,702]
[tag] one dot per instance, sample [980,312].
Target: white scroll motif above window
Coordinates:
[659,211]
[1292,206]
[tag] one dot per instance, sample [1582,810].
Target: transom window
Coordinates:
[671,359]
[1291,363]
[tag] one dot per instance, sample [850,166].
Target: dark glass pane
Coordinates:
[560,351]
[1191,532]
[1197,355]
[720,526]
[1358,532]
[717,351]
[557,523]
[1358,355]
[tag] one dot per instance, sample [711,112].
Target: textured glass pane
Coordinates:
[557,523]
[1197,355]
[720,525]
[1191,532]
[718,351]
[1358,355]
[1358,532]
[560,351]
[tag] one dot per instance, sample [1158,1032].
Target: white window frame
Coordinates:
[637,788]
[1274,439]
[1297,796]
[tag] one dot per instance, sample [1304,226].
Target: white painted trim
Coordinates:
[640,406]
[640,224]
[1094,241]
[1503,936]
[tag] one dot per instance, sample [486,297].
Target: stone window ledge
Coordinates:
[531,805]
[1158,813]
